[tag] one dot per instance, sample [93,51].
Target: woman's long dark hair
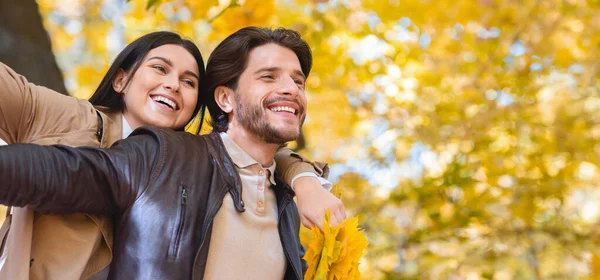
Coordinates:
[129,60]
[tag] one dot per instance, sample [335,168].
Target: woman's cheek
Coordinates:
[190,102]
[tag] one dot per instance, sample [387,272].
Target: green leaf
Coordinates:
[151,3]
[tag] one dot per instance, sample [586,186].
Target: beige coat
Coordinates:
[43,245]
[74,246]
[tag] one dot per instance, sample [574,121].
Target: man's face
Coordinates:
[270,100]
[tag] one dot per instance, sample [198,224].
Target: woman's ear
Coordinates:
[119,81]
[224,98]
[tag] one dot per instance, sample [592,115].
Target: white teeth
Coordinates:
[284,109]
[165,100]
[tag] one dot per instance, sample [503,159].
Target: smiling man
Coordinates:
[186,206]
[257,76]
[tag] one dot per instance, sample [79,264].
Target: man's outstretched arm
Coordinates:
[65,180]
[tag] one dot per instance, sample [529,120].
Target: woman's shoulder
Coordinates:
[75,123]
[36,114]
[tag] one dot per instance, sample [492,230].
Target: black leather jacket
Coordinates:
[163,188]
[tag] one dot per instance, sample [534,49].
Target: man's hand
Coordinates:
[314,200]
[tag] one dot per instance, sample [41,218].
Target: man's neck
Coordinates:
[254,146]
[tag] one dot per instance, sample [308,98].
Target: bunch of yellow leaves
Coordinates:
[335,252]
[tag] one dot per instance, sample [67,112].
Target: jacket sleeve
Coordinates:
[28,111]
[290,164]
[50,178]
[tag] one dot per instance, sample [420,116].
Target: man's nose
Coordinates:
[289,87]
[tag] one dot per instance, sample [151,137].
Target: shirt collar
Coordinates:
[242,159]
[126,128]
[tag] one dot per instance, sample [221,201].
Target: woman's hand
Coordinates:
[314,200]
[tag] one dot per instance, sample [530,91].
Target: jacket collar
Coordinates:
[242,159]
[223,161]
[112,126]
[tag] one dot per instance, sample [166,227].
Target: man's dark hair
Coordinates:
[230,59]
[129,60]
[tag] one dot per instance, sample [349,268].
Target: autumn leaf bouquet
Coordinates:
[335,252]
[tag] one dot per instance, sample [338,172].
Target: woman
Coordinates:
[156,80]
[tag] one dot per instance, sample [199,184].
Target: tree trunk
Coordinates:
[25,45]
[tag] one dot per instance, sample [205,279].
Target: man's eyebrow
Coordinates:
[168,62]
[275,69]
[299,73]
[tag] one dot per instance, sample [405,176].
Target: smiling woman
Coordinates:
[156,80]
[159,85]
[79,245]
[164,89]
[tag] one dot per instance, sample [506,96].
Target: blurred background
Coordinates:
[464,134]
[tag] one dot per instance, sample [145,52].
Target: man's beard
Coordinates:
[254,120]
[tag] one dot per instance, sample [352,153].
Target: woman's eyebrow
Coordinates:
[192,74]
[168,62]
[165,60]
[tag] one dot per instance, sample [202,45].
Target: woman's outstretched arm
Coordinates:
[307,178]
[29,112]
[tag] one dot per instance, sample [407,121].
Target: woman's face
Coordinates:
[163,91]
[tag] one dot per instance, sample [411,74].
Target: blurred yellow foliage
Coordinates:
[465,132]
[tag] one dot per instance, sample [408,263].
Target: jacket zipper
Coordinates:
[200,249]
[180,222]
[204,235]
[287,254]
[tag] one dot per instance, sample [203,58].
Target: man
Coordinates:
[190,206]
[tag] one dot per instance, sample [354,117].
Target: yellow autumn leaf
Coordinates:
[313,252]
[335,252]
[238,15]
[200,8]
[596,265]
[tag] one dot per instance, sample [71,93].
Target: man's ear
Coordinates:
[224,98]
[118,83]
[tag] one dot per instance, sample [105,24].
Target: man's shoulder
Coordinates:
[169,138]
[167,132]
